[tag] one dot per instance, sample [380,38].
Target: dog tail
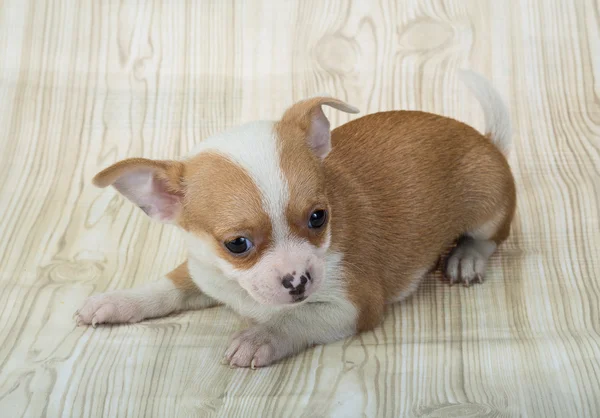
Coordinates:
[497,120]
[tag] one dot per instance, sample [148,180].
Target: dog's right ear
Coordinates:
[155,186]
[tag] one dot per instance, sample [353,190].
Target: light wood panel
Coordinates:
[83,84]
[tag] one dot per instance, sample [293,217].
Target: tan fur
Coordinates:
[300,114]
[304,174]
[180,276]
[222,202]
[404,185]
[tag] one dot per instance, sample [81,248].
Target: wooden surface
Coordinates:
[83,84]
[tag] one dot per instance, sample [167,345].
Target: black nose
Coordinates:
[296,285]
[287,281]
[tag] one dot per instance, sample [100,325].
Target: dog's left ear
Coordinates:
[309,117]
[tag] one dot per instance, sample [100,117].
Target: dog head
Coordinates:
[252,200]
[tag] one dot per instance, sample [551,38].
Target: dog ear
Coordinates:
[154,186]
[309,117]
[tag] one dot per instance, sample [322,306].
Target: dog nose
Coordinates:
[296,283]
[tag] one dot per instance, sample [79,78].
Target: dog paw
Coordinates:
[254,347]
[467,261]
[109,308]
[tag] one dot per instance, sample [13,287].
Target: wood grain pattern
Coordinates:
[83,84]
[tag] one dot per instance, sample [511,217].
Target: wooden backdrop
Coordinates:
[85,83]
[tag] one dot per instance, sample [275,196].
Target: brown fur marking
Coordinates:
[221,203]
[180,276]
[304,174]
[432,179]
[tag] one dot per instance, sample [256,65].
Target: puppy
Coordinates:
[310,232]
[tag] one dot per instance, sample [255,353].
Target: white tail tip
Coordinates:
[497,119]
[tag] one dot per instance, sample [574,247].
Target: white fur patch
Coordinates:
[212,281]
[254,147]
[496,114]
[264,280]
[489,228]
[412,287]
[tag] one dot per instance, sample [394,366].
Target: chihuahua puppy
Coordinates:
[311,232]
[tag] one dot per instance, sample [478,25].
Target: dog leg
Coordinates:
[291,331]
[175,292]
[467,262]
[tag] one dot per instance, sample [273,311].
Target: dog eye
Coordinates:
[240,245]
[317,218]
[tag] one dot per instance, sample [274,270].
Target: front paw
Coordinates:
[255,347]
[109,308]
